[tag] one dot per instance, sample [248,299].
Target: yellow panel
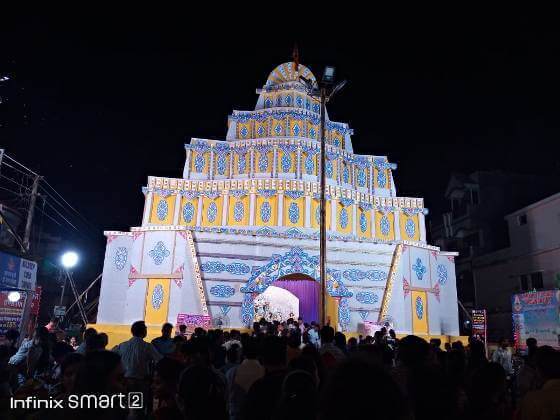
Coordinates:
[293,157]
[244,130]
[336,138]
[190,213]
[332,310]
[313,131]
[278,131]
[296,132]
[375,178]
[367,217]
[273,207]
[244,221]
[169,212]
[298,216]
[261,128]
[403,221]
[226,172]
[419,312]
[378,231]
[348,228]
[206,203]
[315,217]
[236,163]
[206,157]
[157,304]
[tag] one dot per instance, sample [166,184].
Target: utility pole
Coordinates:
[30,213]
[323,214]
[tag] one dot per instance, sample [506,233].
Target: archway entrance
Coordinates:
[307,290]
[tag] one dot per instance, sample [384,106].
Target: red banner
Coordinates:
[194,321]
[36,302]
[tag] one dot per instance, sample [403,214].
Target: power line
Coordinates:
[20,164]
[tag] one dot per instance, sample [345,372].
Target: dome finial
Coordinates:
[295,57]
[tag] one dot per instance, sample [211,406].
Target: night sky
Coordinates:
[98,103]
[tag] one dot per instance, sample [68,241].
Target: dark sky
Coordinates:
[100,102]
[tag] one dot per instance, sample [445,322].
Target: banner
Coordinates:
[194,321]
[479,324]
[16,272]
[536,314]
[11,313]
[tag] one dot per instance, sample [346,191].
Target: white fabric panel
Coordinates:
[158,252]
[135,301]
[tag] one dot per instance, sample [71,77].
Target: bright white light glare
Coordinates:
[4,78]
[69,259]
[14,297]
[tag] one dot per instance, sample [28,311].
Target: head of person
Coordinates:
[298,396]
[166,330]
[531,346]
[327,334]
[300,321]
[69,370]
[101,372]
[392,334]
[89,332]
[201,394]
[73,341]
[435,343]
[166,377]
[232,354]
[294,339]
[413,351]
[139,329]
[548,363]
[489,388]
[273,353]
[103,340]
[504,343]
[340,340]
[306,363]
[60,350]
[196,351]
[250,348]
[96,342]
[41,335]
[12,337]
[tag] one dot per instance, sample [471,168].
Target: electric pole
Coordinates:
[30,213]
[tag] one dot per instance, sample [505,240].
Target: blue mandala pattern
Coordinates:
[263,162]
[260,131]
[329,169]
[212,212]
[419,305]
[343,218]
[362,178]
[381,179]
[236,268]
[159,253]
[344,313]
[241,163]
[385,225]
[293,213]
[442,274]
[238,211]
[309,165]
[419,268]
[307,104]
[266,212]
[410,227]
[222,290]
[121,255]
[296,130]
[346,175]
[368,298]
[278,129]
[199,162]
[363,222]
[244,132]
[286,162]
[357,275]
[188,212]
[162,209]
[222,163]
[157,296]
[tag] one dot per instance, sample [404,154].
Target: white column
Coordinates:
[147,208]
[251,160]
[354,219]
[307,223]
[177,211]
[211,168]
[397,226]
[274,162]
[422,226]
[231,155]
[373,225]
[225,206]
[298,163]
[199,211]
[280,209]
[187,170]
[333,215]
[252,205]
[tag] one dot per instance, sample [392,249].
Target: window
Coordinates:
[474,197]
[536,280]
[524,282]
[522,219]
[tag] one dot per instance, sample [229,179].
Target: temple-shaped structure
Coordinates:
[244,218]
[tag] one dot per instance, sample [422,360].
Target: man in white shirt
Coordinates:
[502,356]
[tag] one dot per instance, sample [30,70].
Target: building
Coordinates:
[531,262]
[244,218]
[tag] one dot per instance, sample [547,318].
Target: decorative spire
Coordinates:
[295,58]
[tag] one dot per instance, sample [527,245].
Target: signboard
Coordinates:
[194,321]
[17,272]
[479,325]
[537,315]
[11,313]
[59,311]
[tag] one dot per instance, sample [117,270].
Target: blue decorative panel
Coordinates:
[278,129]
[159,253]
[357,275]
[157,296]
[241,163]
[385,225]
[235,268]
[346,175]
[307,105]
[442,274]
[309,165]
[278,100]
[329,169]
[268,103]
[294,195]
[188,212]
[318,214]
[212,212]
[293,213]
[299,102]
[260,131]
[316,108]
[263,162]
[121,255]
[419,305]
[410,227]
[222,162]
[162,209]
[238,211]
[247,309]
[368,298]
[312,133]
[363,222]
[222,290]
[381,179]
[343,218]
[199,162]
[296,130]
[337,142]
[344,313]
[362,178]
[266,212]
[244,132]
[286,162]
[419,269]
[288,100]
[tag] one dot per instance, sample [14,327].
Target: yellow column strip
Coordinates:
[390,280]
[196,269]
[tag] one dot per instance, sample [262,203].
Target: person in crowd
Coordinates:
[232,358]
[298,398]
[11,339]
[329,352]
[502,356]
[73,342]
[488,393]
[528,378]
[182,330]
[69,366]
[314,334]
[340,341]
[294,342]
[164,344]
[87,333]
[166,379]
[544,404]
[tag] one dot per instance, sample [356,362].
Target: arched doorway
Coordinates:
[307,290]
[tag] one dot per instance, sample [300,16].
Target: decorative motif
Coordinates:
[268,103]
[312,133]
[296,130]
[363,222]
[162,209]
[385,225]
[286,162]
[222,163]
[288,100]
[236,268]
[345,175]
[222,290]
[442,274]
[367,298]
[247,309]
[309,165]
[241,162]
[267,193]
[260,131]
[318,214]
[266,212]
[419,305]
[381,179]
[238,211]
[159,253]
[199,162]
[263,162]
[410,228]
[316,108]
[357,275]
[419,269]
[188,212]
[244,132]
[294,195]
[293,213]
[329,169]
[225,309]
[361,178]
[278,129]
[299,101]
[343,218]
[344,314]
[157,296]
[346,201]
[121,256]
[294,233]
[406,287]
[212,212]
[363,314]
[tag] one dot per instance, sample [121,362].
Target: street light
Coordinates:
[325,91]
[14,297]
[69,260]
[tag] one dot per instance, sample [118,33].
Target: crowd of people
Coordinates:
[288,370]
